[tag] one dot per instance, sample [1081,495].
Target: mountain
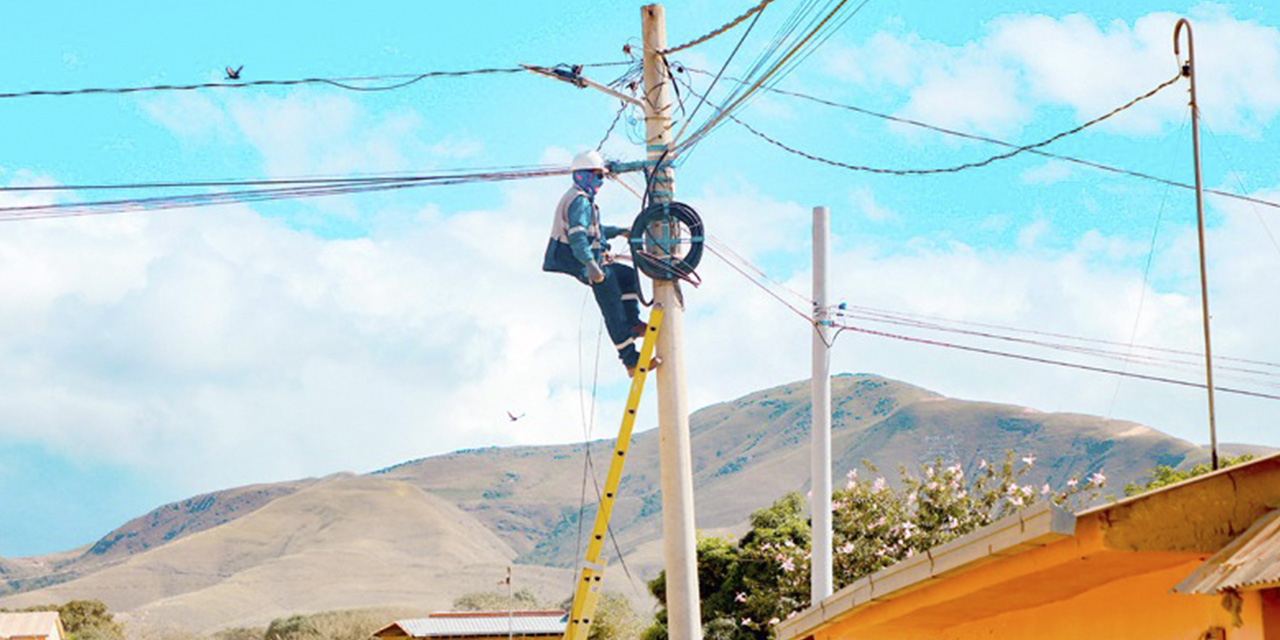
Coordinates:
[425,531]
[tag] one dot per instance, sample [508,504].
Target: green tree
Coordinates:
[1164,475]
[497,601]
[84,619]
[614,619]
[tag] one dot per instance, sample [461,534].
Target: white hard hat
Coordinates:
[589,160]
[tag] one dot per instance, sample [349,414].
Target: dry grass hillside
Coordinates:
[344,541]
[423,532]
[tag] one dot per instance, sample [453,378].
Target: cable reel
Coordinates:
[666,242]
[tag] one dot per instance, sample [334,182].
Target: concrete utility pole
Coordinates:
[1189,70]
[679,541]
[821,565]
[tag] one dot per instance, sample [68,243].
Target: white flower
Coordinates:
[879,485]
[788,565]
[952,522]
[1045,490]
[1028,491]
[1073,482]
[931,486]
[741,597]
[982,464]
[1098,479]
[1030,459]
[774,621]
[746,621]
[955,470]
[928,472]
[846,548]
[1015,500]
[853,473]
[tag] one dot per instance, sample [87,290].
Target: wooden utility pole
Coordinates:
[821,565]
[679,537]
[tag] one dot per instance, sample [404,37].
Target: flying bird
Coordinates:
[234,74]
[514,417]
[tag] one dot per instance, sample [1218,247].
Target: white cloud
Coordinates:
[1051,172]
[993,84]
[864,199]
[1030,235]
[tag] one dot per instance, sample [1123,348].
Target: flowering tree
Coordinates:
[749,587]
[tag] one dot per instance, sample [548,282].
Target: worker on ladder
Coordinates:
[579,247]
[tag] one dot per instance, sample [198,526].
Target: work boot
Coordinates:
[653,364]
[640,330]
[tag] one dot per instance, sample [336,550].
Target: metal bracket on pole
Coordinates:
[576,79]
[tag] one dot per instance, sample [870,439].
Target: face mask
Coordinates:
[589,181]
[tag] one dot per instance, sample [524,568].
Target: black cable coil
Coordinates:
[659,257]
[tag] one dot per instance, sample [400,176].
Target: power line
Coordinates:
[290,190]
[1058,363]
[979,138]
[1128,358]
[967,165]
[402,80]
[889,317]
[255,182]
[702,131]
[727,26]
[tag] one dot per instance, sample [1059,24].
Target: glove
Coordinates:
[594,273]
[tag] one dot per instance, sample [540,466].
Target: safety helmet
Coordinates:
[587,160]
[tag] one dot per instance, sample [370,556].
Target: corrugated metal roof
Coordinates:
[525,625]
[1252,559]
[32,624]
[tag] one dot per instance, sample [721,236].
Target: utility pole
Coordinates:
[1189,70]
[679,537]
[821,565]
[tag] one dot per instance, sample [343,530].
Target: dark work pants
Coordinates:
[618,296]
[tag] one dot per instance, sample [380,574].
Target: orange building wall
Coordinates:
[1133,608]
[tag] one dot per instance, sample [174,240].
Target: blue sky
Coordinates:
[151,356]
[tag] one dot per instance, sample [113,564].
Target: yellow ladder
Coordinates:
[587,589]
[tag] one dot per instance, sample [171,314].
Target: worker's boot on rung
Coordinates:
[653,364]
[640,330]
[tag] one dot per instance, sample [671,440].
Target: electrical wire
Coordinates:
[844,315]
[280,190]
[405,79]
[1058,363]
[1239,181]
[961,167]
[727,26]
[979,138]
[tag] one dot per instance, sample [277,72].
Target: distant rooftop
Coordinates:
[464,624]
[30,624]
